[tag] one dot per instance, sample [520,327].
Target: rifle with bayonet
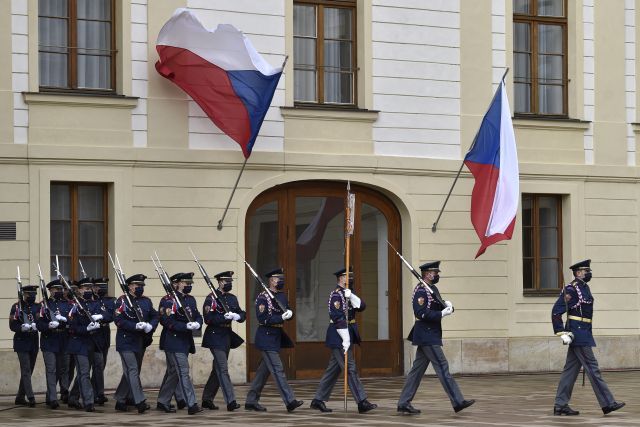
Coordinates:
[84,274]
[45,295]
[64,282]
[25,317]
[168,288]
[436,295]
[265,287]
[207,279]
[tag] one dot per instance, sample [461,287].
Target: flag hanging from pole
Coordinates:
[222,71]
[351,207]
[493,161]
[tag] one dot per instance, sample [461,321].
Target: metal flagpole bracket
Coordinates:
[232,193]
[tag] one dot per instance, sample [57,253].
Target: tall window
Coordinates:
[76,44]
[79,228]
[540,57]
[541,242]
[324,51]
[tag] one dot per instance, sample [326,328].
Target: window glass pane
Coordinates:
[548,242]
[304,52]
[526,211]
[90,203]
[90,238]
[549,69]
[94,72]
[93,266]
[65,266]
[548,274]
[60,237]
[550,39]
[53,69]
[52,8]
[548,211]
[521,6]
[550,7]
[319,253]
[94,9]
[337,23]
[304,83]
[550,99]
[52,34]
[338,88]
[521,37]
[304,20]
[94,37]
[60,202]
[527,274]
[522,65]
[522,97]
[527,242]
[337,55]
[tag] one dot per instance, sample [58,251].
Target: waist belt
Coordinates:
[352,321]
[580,319]
[225,325]
[273,326]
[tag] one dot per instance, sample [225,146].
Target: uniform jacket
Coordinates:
[176,337]
[54,340]
[128,338]
[427,329]
[24,342]
[218,334]
[338,320]
[580,304]
[79,338]
[107,307]
[269,335]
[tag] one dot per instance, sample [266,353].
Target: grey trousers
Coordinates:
[332,374]
[27,362]
[424,355]
[177,376]
[219,378]
[270,364]
[577,357]
[83,379]
[96,367]
[130,386]
[56,371]
[170,372]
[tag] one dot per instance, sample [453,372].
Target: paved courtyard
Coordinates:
[502,400]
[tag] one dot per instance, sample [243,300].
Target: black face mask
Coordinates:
[30,298]
[435,280]
[280,284]
[58,295]
[138,291]
[102,292]
[87,294]
[187,289]
[587,277]
[351,281]
[227,286]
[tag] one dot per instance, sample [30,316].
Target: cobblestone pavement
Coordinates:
[502,400]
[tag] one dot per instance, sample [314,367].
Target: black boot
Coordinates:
[319,405]
[209,404]
[142,407]
[613,407]
[168,409]
[254,407]
[21,401]
[90,408]
[366,406]
[564,410]
[32,402]
[121,406]
[408,409]
[194,409]
[54,404]
[291,406]
[464,404]
[232,406]
[182,404]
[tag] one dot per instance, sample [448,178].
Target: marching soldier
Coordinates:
[53,342]
[427,336]
[104,306]
[577,301]
[342,333]
[132,338]
[270,338]
[68,359]
[178,343]
[22,321]
[169,373]
[219,338]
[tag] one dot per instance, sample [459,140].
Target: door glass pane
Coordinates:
[319,253]
[548,242]
[90,238]
[90,203]
[548,273]
[548,211]
[262,253]
[374,280]
[60,202]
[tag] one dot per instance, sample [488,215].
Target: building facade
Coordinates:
[100,153]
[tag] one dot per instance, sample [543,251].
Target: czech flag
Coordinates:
[493,161]
[221,71]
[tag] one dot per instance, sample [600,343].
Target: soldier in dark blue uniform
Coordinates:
[53,341]
[427,335]
[220,339]
[270,338]
[105,306]
[342,333]
[25,341]
[169,373]
[178,342]
[132,338]
[577,300]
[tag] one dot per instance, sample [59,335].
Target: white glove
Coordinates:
[355,301]
[192,326]
[54,324]
[347,293]
[96,317]
[567,338]
[228,316]
[287,315]
[448,304]
[60,318]
[91,326]
[147,327]
[25,327]
[346,339]
[140,326]
[447,311]
[34,327]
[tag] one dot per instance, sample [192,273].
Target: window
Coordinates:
[76,44]
[79,228]
[540,57]
[541,242]
[324,52]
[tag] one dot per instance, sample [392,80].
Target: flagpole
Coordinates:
[232,193]
[349,231]
[434,227]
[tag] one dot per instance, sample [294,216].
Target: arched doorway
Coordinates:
[300,226]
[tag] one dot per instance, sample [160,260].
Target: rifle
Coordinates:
[84,274]
[207,279]
[25,318]
[43,291]
[267,290]
[417,275]
[64,282]
[168,288]
[133,306]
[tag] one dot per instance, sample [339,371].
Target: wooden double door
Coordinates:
[300,227]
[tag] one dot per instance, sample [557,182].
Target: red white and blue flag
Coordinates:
[493,161]
[222,71]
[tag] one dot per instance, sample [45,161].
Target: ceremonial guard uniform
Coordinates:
[25,341]
[132,338]
[178,342]
[53,342]
[270,338]
[342,333]
[169,373]
[577,300]
[105,306]
[426,334]
[220,339]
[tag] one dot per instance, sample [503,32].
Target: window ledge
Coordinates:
[330,114]
[547,123]
[80,99]
[541,293]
